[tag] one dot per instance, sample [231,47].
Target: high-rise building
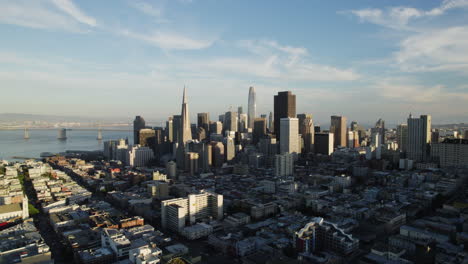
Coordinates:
[221,118]
[402,137]
[230,149]
[284,164]
[171,169]
[176,127]
[306,129]
[216,127]
[269,148]
[240,110]
[338,128]
[169,130]
[317,129]
[139,156]
[380,128]
[435,135]
[466,134]
[175,213]
[203,120]
[147,137]
[108,150]
[230,121]
[252,107]
[289,140]
[242,124]
[191,163]
[324,143]
[419,137]
[138,123]
[270,122]
[284,107]
[185,133]
[217,155]
[452,152]
[201,134]
[259,129]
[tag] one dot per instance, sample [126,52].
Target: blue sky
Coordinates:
[363,59]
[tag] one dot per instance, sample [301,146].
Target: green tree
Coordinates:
[32,210]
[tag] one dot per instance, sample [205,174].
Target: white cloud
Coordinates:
[171,40]
[399,17]
[409,91]
[425,47]
[71,9]
[435,50]
[286,63]
[156,12]
[42,14]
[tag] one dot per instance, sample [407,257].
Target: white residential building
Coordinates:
[175,213]
[139,156]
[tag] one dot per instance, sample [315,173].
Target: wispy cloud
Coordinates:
[71,9]
[289,63]
[44,14]
[156,12]
[435,50]
[171,40]
[400,17]
[406,90]
[262,60]
[424,47]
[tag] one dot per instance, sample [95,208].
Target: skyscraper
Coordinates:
[242,122]
[402,137]
[230,121]
[169,130]
[252,107]
[289,141]
[185,133]
[147,137]
[306,129]
[338,128]
[284,107]
[216,127]
[323,143]
[203,120]
[138,123]
[259,129]
[380,129]
[176,127]
[270,122]
[419,137]
[229,149]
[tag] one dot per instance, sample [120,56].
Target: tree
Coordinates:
[32,210]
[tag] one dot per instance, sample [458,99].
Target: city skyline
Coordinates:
[416,64]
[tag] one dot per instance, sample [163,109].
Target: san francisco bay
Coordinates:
[13,144]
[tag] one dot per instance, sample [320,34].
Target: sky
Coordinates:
[363,59]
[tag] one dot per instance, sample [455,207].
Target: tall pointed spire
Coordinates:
[184,99]
[185,131]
